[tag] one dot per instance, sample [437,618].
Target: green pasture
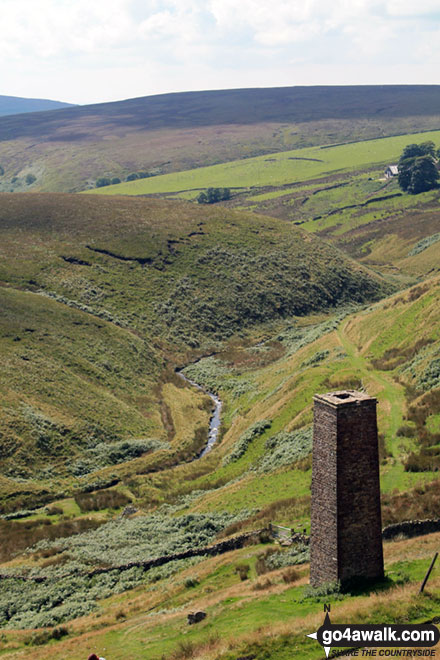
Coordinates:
[276,169]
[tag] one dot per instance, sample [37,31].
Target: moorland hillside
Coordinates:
[338,193]
[100,296]
[69,150]
[107,505]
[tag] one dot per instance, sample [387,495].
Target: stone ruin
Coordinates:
[346,526]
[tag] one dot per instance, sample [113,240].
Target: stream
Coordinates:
[214,422]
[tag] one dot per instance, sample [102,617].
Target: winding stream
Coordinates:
[214,422]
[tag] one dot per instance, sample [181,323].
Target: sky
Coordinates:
[90,51]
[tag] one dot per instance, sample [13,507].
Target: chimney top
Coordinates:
[344,397]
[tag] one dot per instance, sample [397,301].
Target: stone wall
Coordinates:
[411,528]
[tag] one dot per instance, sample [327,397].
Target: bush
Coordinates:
[285,448]
[102,181]
[54,511]
[291,575]
[213,195]
[104,454]
[103,499]
[296,554]
[260,585]
[406,431]
[328,589]
[30,179]
[70,593]
[243,571]
[424,244]
[191,582]
[318,357]
[245,439]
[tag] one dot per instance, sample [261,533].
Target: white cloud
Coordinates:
[164,45]
[411,7]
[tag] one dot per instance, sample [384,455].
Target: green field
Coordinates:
[70,149]
[277,169]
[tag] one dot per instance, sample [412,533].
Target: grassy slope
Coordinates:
[269,621]
[279,169]
[352,356]
[340,195]
[278,380]
[119,288]
[67,150]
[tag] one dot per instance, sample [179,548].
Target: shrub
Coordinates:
[318,357]
[260,585]
[245,439]
[430,378]
[191,582]
[103,499]
[291,575]
[104,454]
[406,431]
[30,179]
[54,511]
[296,554]
[102,181]
[243,571]
[424,244]
[213,195]
[328,589]
[285,448]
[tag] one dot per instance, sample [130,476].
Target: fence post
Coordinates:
[428,573]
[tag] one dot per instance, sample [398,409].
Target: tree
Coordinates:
[30,178]
[115,180]
[202,198]
[213,195]
[414,150]
[102,181]
[418,168]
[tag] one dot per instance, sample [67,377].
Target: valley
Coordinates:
[131,313]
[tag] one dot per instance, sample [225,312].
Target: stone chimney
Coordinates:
[346,526]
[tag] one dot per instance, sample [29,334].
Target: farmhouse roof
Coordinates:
[393,169]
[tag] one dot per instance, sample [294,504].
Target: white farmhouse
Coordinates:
[392,170]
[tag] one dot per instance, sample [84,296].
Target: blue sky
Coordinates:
[87,51]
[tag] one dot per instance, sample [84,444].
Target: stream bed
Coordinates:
[214,422]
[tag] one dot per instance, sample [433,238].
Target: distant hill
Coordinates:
[14,105]
[68,150]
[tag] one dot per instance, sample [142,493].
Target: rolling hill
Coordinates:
[338,193]
[113,527]
[136,285]
[68,150]
[15,105]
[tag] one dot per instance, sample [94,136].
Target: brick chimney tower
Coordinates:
[346,532]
